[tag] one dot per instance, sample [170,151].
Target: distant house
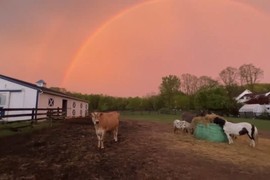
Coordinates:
[253,104]
[244,96]
[16,93]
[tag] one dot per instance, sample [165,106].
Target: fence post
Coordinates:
[2,112]
[49,116]
[36,111]
[32,117]
[58,111]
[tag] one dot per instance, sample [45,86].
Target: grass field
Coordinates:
[9,129]
[169,118]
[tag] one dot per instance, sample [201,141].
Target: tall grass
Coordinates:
[169,118]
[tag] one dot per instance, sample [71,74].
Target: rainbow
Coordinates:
[91,37]
[114,18]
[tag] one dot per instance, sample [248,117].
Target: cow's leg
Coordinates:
[115,133]
[102,139]
[99,140]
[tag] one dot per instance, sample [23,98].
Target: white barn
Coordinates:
[16,93]
[253,104]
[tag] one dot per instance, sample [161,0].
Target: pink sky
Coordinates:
[125,47]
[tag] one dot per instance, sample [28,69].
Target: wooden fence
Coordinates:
[34,114]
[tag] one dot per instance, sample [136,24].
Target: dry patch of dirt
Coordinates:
[146,150]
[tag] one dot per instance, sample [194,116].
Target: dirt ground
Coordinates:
[146,150]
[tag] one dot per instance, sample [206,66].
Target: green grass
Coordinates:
[9,129]
[146,116]
[169,118]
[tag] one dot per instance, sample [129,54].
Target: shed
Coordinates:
[15,93]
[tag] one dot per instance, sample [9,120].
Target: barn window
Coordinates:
[51,102]
[73,112]
[86,106]
[2,99]
[74,104]
[81,105]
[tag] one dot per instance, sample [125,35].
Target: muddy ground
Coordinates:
[146,150]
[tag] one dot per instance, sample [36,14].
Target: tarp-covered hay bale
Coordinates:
[205,129]
[211,132]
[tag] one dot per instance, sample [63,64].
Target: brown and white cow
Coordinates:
[103,123]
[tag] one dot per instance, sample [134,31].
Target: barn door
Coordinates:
[64,106]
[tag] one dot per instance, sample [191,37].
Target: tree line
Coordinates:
[187,92]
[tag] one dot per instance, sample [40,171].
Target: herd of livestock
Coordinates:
[109,121]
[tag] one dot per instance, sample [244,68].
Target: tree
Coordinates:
[229,77]
[212,99]
[93,101]
[206,82]
[134,104]
[169,88]
[189,84]
[182,102]
[153,102]
[106,103]
[249,75]
[120,103]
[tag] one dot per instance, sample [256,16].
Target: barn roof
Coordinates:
[244,93]
[259,99]
[40,89]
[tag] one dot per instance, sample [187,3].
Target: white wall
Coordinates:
[44,98]
[75,108]
[24,98]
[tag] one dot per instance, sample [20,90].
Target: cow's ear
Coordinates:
[100,114]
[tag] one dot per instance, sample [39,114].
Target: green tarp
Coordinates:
[210,132]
